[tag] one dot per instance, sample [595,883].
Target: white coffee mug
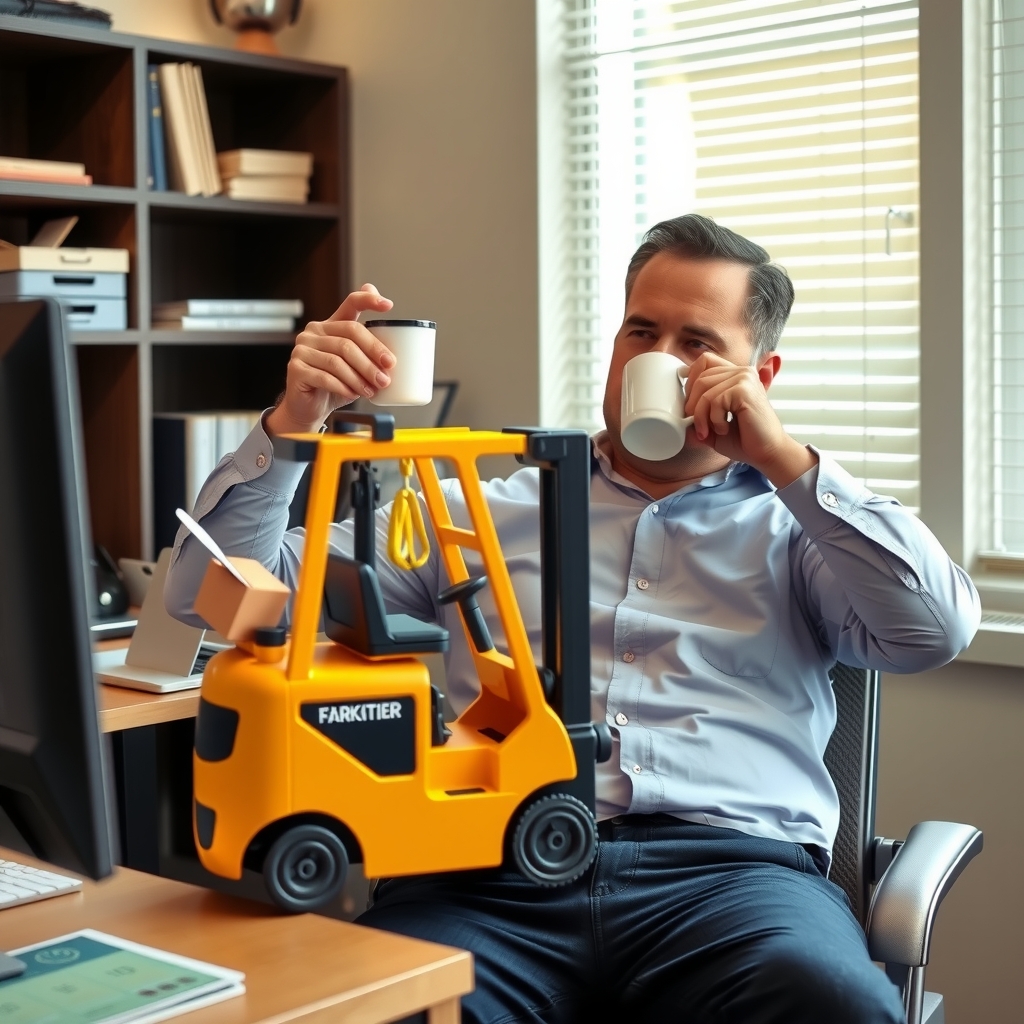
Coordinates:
[412,376]
[652,424]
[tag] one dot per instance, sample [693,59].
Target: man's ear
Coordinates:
[769,368]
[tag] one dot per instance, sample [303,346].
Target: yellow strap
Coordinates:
[407,526]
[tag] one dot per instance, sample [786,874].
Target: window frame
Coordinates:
[956,339]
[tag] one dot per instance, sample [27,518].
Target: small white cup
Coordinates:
[652,425]
[412,376]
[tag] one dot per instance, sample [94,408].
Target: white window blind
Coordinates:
[794,123]
[1007,163]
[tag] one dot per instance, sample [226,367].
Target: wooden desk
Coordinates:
[120,708]
[304,968]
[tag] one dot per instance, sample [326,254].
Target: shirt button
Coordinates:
[642,584]
[621,719]
[830,499]
[654,509]
[628,657]
[637,769]
[261,460]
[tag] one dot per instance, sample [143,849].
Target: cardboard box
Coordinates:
[237,611]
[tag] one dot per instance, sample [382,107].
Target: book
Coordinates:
[184,455]
[183,168]
[157,152]
[232,429]
[41,168]
[54,179]
[278,188]
[188,86]
[207,146]
[187,446]
[264,161]
[227,307]
[90,976]
[226,323]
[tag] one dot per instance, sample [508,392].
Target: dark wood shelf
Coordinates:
[240,207]
[44,193]
[107,337]
[79,94]
[221,337]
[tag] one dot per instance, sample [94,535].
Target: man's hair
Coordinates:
[770,291]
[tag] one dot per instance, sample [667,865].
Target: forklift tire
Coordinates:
[305,868]
[555,840]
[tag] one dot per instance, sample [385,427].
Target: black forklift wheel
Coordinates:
[305,868]
[555,839]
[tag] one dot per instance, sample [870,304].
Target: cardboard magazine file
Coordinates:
[236,611]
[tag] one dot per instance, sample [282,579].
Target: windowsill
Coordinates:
[996,647]
[1000,638]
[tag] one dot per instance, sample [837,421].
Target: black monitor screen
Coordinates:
[51,772]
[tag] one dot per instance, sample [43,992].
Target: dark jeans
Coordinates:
[673,922]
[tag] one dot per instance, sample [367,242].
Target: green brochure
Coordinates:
[91,978]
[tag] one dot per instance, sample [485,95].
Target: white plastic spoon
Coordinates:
[209,543]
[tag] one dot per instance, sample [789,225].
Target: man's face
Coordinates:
[684,307]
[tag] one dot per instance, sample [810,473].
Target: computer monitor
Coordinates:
[51,767]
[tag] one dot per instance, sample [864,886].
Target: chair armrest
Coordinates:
[907,896]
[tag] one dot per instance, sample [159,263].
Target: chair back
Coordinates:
[852,760]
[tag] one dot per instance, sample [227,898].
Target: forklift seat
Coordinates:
[354,614]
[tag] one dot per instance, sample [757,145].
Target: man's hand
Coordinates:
[754,435]
[334,362]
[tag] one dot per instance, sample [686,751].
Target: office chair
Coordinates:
[910,877]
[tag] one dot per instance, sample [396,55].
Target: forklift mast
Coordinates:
[563,458]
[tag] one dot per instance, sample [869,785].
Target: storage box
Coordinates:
[60,283]
[42,257]
[236,611]
[85,314]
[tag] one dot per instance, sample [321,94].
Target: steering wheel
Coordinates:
[465,594]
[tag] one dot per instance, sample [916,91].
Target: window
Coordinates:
[796,124]
[1006,36]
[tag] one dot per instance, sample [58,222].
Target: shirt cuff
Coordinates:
[255,461]
[825,495]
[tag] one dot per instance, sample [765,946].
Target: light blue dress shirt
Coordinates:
[716,613]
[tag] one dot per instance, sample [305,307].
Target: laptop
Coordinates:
[165,655]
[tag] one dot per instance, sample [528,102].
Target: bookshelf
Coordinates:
[79,94]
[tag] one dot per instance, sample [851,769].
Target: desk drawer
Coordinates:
[85,314]
[60,283]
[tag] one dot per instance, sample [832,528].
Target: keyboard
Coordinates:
[20,883]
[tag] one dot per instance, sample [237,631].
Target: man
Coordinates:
[724,584]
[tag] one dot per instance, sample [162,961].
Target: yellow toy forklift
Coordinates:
[312,755]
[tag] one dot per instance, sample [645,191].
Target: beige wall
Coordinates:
[444,170]
[951,750]
[444,198]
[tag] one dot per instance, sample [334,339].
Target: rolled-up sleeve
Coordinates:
[881,588]
[244,506]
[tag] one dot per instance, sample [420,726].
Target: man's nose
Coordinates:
[666,343]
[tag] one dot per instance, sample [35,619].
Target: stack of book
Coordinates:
[186,449]
[16,168]
[179,116]
[266,175]
[227,315]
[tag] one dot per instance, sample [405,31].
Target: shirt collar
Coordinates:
[602,446]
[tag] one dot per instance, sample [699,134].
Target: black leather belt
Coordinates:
[622,826]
